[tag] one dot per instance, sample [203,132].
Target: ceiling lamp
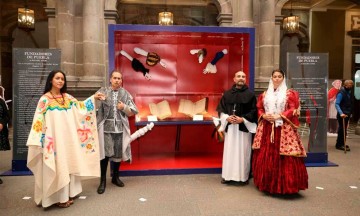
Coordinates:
[291,23]
[26,18]
[166,18]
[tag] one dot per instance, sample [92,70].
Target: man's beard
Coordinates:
[240,84]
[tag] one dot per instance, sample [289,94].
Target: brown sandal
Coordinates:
[70,201]
[63,205]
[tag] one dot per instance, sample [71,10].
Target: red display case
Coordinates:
[178,144]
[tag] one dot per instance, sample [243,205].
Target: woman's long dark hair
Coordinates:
[48,84]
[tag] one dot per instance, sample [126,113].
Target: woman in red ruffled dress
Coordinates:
[278,157]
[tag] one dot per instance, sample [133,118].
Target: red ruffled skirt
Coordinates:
[275,173]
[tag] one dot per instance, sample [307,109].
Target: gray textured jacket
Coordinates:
[105,108]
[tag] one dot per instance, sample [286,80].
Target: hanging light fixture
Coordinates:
[291,23]
[26,18]
[166,17]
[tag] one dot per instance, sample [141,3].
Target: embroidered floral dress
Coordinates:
[63,143]
[278,164]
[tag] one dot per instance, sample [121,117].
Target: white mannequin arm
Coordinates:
[140,51]
[126,55]
[194,51]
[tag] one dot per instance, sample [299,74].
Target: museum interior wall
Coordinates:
[327,35]
[52,32]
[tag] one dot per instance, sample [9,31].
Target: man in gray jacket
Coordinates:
[114,128]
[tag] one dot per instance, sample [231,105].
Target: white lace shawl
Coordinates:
[275,100]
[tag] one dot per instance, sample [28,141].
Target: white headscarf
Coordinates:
[275,99]
[337,84]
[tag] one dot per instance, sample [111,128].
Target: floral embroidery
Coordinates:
[89,105]
[88,118]
[83,133]
[258,136]
[290,142]
[41,104]
[50,145]
[37,126]
[86,136]
[42,139]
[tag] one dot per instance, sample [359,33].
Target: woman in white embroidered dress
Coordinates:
[63,143]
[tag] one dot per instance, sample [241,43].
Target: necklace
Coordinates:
[59,102]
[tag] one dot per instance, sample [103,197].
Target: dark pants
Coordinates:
[340,138]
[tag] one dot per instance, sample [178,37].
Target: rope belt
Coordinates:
[272,132]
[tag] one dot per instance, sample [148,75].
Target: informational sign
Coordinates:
[357,85]
[30,70]
[308,74]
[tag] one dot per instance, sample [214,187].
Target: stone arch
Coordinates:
[279,5]
[225,12]
[223,6]
[302,36]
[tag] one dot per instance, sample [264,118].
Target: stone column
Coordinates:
[89,53]
[64,34]
[242,13]
[50,12]
[266,34]
[111,17]
[277,36]
[93,52]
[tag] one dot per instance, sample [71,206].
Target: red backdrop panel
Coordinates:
[183,77]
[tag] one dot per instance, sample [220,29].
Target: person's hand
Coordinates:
[269,117]
[230,119]
[238,120]
[277,116]
[99,96]
[1,127]
[120,105]
[343,115]
[233,119]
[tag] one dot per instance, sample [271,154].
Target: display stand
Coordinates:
[177,70]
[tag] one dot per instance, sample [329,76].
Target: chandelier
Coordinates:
[291,23]
[26,18]
[166,17]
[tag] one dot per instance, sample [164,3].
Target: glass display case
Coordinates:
[174,100]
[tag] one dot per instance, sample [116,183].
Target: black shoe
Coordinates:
[245,182]
[102,186]
[1,181]
[342,148]
[116,181]
[223,181]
